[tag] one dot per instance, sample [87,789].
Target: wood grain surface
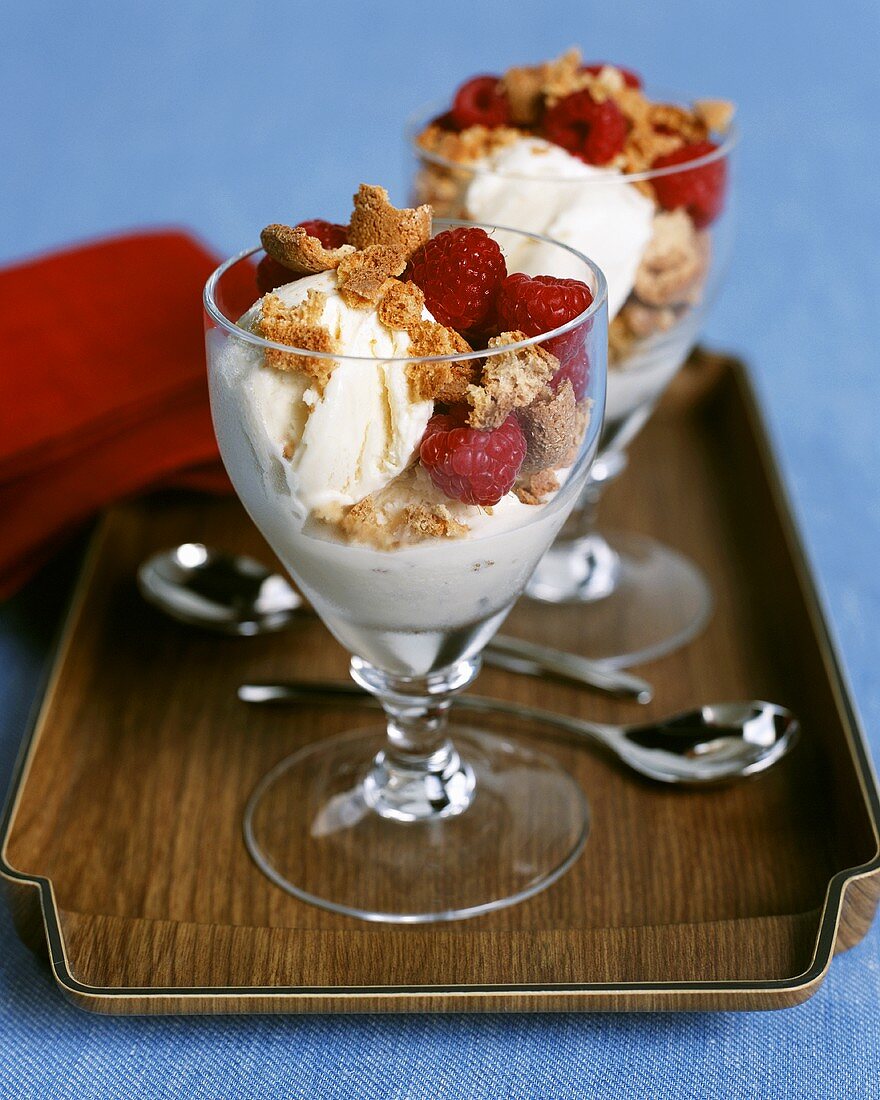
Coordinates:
[124,848]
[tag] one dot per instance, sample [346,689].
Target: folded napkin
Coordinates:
[103,392]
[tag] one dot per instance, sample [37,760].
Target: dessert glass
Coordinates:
[416,820]
[639,598]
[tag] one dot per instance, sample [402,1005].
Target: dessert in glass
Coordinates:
[410,452]
[579,153]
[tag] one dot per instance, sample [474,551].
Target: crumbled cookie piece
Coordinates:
[376,222]
[717,114]
[677,120]
[563,76]
[535,488]
[529,88]
[364,523]
[300,327]
[524,86]
[509,381]
[620,338]
[365,276]
[582,420]
[423,521]
[672,263]
[466,146]
[442,189]
[296,250]
[431,338]
[549,424]
[370,525]
[642,321]
[608,82]
[401,305]
[643,146]
[446,382]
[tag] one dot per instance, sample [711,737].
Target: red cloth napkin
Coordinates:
[103,389]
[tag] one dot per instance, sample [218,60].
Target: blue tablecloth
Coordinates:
[225,116]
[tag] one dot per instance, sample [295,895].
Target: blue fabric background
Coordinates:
[225,116]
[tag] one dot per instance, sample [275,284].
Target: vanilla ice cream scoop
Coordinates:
[362,430]
[535,185]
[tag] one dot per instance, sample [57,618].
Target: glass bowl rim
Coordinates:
[599,299]
[417,121]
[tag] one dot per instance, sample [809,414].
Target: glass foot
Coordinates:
[313,827]
[638,599]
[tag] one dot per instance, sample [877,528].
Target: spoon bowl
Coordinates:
[228,593]
[713,743]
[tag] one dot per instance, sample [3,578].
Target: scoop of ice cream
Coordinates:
[358,433]
[535,185]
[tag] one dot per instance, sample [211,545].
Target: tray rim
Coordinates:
[801,986]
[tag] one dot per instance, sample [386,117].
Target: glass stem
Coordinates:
[418,775]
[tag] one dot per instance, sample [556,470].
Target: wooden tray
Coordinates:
[123,847]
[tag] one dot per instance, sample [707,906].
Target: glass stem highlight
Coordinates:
[418,775]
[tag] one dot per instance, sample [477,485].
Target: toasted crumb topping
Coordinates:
[655,129]
[446,382]
[376,221]
[368,524]
[640,321]
[524,86]
[536,487]
[401,305]
[674,261]
[620,339]
[679,120]
[302,254]
[423,521]
[299,326]
[468,145]
[643,144]
[432,338]
[366,275]
[584,414]
[717,114]
[563,76]
[509,381]
[550,426]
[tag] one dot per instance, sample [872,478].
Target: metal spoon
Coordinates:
[234,594]
[713,744]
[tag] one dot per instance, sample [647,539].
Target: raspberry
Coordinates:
[468,464]
[480,101]
[329,234]
[595,132]
[630,79]
[699,190]
[271,274]
[460,272]
[540,304]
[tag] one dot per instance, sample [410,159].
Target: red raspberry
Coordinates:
[630,79]
[329,234]
[270,274]
[467,464]
[699,190]
[460,272]
[480,101]
[540,304]
[595,132]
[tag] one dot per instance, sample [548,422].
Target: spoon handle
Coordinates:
[518,655]
[290,690]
